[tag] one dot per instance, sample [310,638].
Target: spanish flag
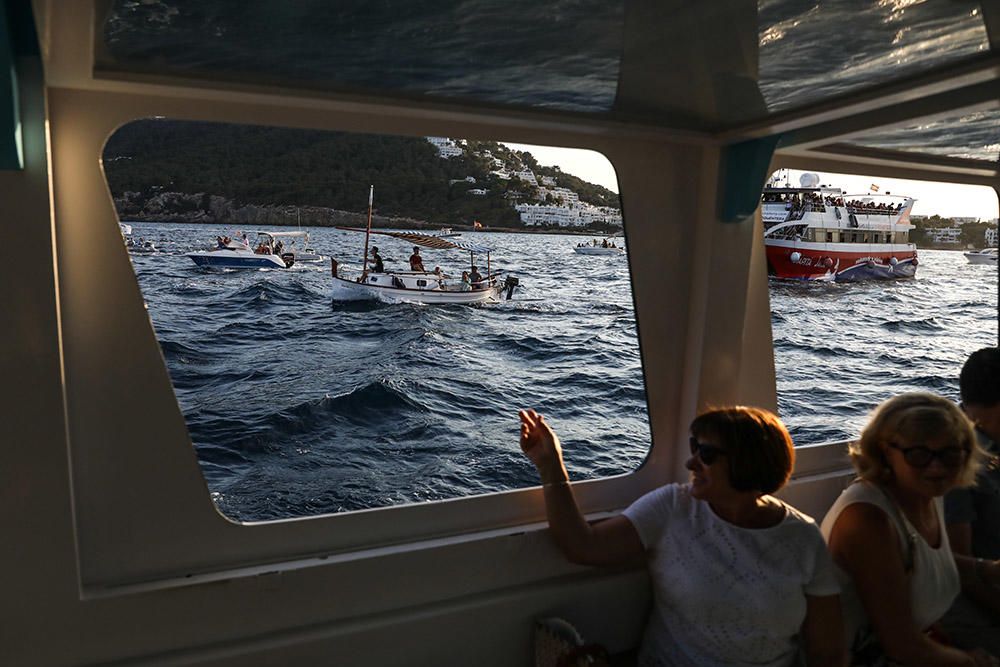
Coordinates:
[874,188]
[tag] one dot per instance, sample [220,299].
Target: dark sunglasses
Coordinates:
[708,454]
[921,457]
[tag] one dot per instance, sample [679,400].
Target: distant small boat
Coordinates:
[139,246]
[984,256]
[604,248]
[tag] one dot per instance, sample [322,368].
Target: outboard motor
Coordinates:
[288,258]
[509,283]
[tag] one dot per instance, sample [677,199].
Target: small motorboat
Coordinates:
[139,246]
[984,256]
[605,247]
[425,287]
[267,253]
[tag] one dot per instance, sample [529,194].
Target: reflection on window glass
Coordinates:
[974,136]
[563,55]
[811,51]
[496,278]
[874,292]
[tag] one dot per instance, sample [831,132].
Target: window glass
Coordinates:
[815,50]
[563,55]
[972,136]
[301,400]
[851,329]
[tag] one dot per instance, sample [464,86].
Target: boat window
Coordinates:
[421,283]
[308,393]
[971,136]
[803,58]
[853,326]
[457,49]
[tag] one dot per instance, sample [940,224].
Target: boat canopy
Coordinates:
[301,235]
[428,240]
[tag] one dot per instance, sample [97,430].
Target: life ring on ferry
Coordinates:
[795,257]
[893,261]
[914,261]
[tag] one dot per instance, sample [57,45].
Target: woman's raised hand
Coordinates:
[540,444]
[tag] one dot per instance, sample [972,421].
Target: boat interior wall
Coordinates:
[112,536]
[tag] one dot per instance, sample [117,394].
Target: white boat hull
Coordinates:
[351,290]
[598,250]
[236,259]
[982,257]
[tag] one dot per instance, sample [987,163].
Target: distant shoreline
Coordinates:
[399,224]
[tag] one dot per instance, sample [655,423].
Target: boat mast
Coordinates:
[368,230]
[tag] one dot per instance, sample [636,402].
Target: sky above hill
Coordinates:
[944,199]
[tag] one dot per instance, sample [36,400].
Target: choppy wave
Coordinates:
[298,405]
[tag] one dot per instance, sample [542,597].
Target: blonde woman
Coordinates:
[887,535]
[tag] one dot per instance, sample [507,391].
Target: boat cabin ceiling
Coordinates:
[116,552]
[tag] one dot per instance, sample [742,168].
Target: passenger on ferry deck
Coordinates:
[887,534]
[466,281]
[416,261]
[973,514]
[739,577]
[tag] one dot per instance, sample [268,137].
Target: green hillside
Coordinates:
[253,165]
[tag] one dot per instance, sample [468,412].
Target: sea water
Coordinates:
[299,405]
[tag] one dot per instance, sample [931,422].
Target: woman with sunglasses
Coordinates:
[887,534]
[739,577]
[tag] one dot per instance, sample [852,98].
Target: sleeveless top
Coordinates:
[934,582]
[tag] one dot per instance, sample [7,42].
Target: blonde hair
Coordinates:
[914,418]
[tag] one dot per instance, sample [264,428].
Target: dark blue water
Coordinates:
[842,348]
[298,405]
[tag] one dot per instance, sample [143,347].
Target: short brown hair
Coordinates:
[758,447]
[909,418]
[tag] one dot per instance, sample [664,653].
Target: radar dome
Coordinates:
[809,180]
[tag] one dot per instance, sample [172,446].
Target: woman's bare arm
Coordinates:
[611,542]
[866,545]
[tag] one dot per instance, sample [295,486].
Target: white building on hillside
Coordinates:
[991,236]
[944,234]
[446,147]
[964,221]
[567,196]
[548,180]
[567,216]
[527,175]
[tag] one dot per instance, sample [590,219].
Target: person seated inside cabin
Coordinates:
[973,514]
[476,278]
[416,261]
[277,247]
[262,249]
[466,281]
[886,532]
[377,266]
[739,577]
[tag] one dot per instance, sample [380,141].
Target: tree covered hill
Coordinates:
[267,166]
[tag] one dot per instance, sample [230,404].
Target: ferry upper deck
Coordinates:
[114,552]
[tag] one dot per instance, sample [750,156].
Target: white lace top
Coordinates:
[934,581]
[725,595]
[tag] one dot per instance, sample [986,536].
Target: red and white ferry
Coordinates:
[814,232]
